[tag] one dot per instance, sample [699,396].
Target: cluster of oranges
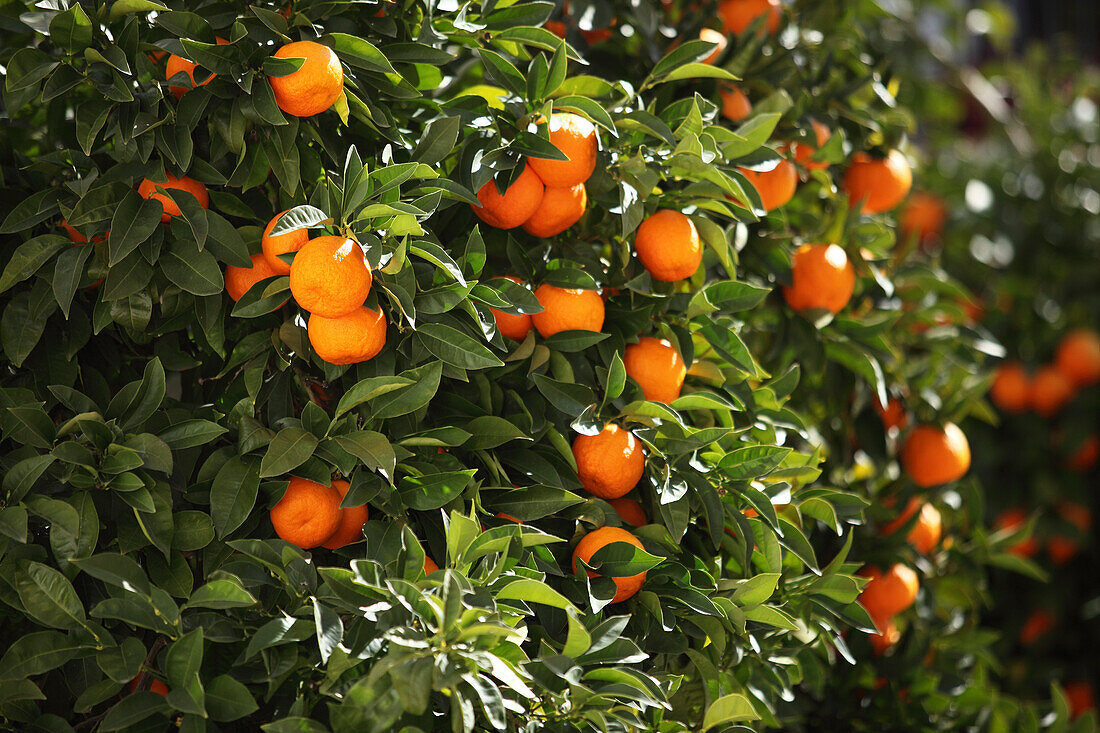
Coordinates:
[1076,365]
[309,515]
[548,196]
[310,90]
[1060,547]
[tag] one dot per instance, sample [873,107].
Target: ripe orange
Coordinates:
[556,27]
[1011,388]
[926,532]
[1050,391]
[893,416]
[1078,357]
[567,309]
[1079,695]
[889,636]
[177,64]
[576,137]
[282,244]
[517,205]
[155,685]
[776,187]
[350,338]
[878,184]
[592,542]
[610,463]
[352,520]
[148,189]
[429,565]
[933,455]
[923,216]
[238,280]
[1085,455]
[515,327]
[1037,625]
[804,152]
[308,513]
[889,593]
[657,367]
[667,244]
[559,209]
[315,86]
[629,511]
[1013,519]
[821,277]
[737,15]
[330,276]
[718,39]
[735,105]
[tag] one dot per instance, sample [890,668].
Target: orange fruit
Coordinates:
[515,327]
[1085,455]
[926,532]
[308,513]
[282,244]
[154,686]
[718,39]
[591,543]
[518,204]
[737,15]
[735,105]
[889,636]
[923,216]
[429,565]
[1013,519]
[350,338]
[1050,391]
[1078,357]
[610,463]
[933,455]
[148,189]
[330,276]
[559,209]
[775,187]
[1011,388]
[889,593]
[877,184]
[668,246]
[1079,695]
[821,278]
[657,367]
[567,309]
[556,27]
[1063,549]
[804,152]
[177,64]
[315,86]
[352,520]
[238,280]
[576,137]
[893,416]
[629,511]
[1037,624]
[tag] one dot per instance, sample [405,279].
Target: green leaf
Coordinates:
[233,494]
[372,448]
[134,221]
[756,589]
[191,433]
[572,399]
[49,597]
[21,477]
[368,389]
[622,558]
[752,462]
[359,52]
[35,654]
[225,592]
[117,570]
[490,431]
[455,347]
[431,491]
[196,272]
[132,709]
[71,29]
[290,448]
[533,591]
[124,7]
[227,699]
[728,709]
[29,257]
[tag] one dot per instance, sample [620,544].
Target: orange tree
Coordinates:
[406,366]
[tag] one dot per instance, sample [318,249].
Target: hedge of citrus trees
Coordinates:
[427,366]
